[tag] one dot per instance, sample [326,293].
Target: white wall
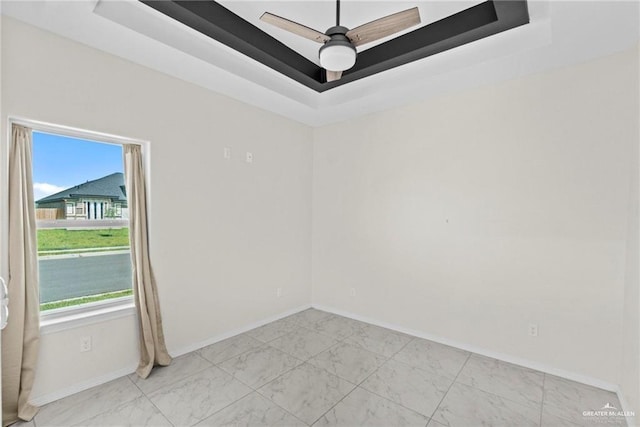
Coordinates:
[630,374]
[470,216]
[225,234]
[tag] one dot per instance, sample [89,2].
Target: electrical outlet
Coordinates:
[279,292]
[227,152]
[352,291]
[249,157]
[533,329]
[85,344]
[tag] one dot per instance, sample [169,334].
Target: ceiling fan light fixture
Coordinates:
[337,55]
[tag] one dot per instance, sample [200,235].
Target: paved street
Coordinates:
[75,276]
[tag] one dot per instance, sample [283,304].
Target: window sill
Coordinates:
[74,317]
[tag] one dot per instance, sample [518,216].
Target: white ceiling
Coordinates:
[560,34]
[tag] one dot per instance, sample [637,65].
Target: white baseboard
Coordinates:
[234,332]
[102,379]
[82,386]
[573,376]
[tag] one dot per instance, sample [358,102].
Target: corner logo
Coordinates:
[610,412]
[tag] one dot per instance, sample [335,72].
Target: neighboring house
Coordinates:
[101,198]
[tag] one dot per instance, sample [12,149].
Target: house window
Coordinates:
[84,256]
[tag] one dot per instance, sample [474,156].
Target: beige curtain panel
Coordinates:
[152,346]
[20,337]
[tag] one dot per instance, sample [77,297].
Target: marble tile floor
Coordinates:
[320,369]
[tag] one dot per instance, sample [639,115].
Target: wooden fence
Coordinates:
[49,213]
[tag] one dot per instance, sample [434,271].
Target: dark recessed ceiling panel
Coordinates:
[219,23]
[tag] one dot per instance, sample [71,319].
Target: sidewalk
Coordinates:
[73,224]
[85,254]
[107,248]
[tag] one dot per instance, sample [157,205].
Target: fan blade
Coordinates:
[383,27]
[294,27]
[333,75]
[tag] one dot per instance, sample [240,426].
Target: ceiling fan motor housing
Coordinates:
[338,54]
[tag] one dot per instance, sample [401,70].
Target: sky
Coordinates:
[61,162]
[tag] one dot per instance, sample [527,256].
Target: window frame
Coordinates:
[70,208]
[71,317]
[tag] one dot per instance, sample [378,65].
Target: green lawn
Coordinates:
[84,300]
[62,239]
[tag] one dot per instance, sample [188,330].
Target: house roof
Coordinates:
[110,186]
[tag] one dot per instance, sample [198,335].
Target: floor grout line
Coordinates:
[213,365]
[173,381]
[451,385]
[256,390]
[336,404]
[337,343]
[284,409]
[544,380]
[158,409]
[270,381]
[223,408]
[357,386]
[532,402]
[234,356]
[111,408]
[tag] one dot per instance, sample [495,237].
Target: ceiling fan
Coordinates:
[338,52]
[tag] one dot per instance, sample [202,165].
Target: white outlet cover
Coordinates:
[249,157]
[227,152]
[85,344]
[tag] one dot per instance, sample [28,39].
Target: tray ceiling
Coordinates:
[560,33]
[466,25]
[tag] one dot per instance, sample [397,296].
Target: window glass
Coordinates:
[82,221]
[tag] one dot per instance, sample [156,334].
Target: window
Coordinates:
[84,252]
